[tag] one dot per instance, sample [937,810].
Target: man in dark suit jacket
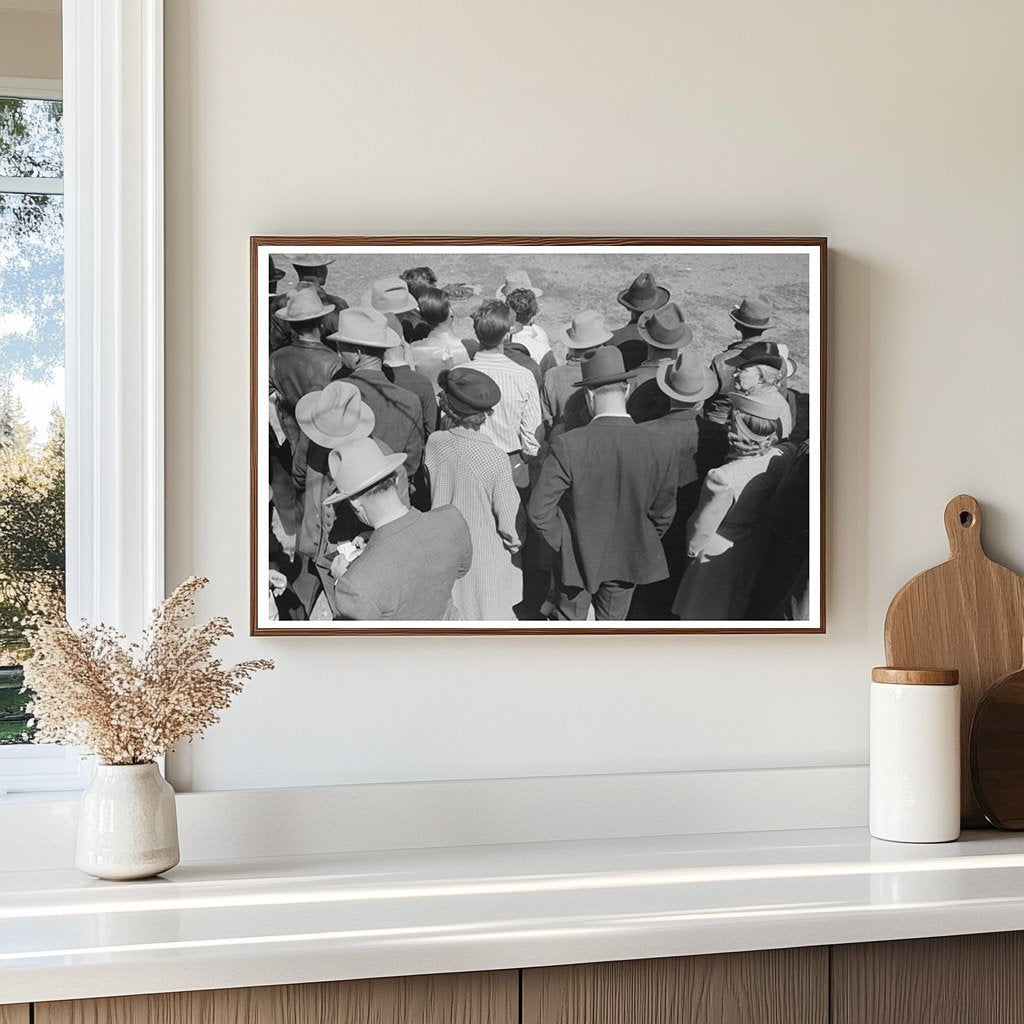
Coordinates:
[606,494]
[684,384]
[408,567]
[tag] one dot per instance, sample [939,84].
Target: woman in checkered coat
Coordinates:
[466,469]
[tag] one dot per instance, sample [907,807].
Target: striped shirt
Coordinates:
[514,424]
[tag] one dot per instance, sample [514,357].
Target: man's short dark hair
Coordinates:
[492,322]
[606,389]
[418,279]
[435,306]
[523,303]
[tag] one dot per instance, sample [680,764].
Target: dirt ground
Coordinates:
[706,285]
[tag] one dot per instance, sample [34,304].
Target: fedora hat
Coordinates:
[304,304]
[357,465]
[332,416]
[764,353]
[766,402]
[686,378]
[643,294]
[603,365]
[389,295]
[469,390]
[754,311]
[364,327]
[587,330]
[516,279]
[665,327]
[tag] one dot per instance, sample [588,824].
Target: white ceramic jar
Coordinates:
[915,755]
[127,823]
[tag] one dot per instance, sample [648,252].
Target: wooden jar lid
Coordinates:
[916,676]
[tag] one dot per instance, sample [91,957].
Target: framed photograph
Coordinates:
[537,435]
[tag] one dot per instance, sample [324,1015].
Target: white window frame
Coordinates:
[114,264]
[31,89]
[35,768]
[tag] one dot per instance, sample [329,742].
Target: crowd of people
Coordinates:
[416,474]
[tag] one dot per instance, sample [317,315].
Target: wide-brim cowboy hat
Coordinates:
[391,340]
[335,415]
[365,327]
[708,386]
[406,303]
[301,312]
[357,465]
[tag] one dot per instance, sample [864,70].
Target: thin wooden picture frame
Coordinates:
[817,247]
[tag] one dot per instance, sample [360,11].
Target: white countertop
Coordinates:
[226,924]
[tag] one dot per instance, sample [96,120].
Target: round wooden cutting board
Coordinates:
[967,613]
[997,752]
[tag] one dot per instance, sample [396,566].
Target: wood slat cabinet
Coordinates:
[971,979]
[962,979]
[777,986]
[481,998]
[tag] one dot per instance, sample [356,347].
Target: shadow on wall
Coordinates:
[853,287]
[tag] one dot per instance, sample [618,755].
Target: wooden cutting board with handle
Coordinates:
[967,614]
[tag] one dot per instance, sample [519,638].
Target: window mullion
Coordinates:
[32,186]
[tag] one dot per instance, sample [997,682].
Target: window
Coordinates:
[32,533]
[112,212]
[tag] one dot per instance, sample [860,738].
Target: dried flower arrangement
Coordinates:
[130,703]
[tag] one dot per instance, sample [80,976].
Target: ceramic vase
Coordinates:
[127,825]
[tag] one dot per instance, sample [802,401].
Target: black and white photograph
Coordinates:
[537,435]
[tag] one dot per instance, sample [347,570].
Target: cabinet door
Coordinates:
[490,998]
[962,979]
[778,986]
[14,1014]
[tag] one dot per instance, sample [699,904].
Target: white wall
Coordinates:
[895,129]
